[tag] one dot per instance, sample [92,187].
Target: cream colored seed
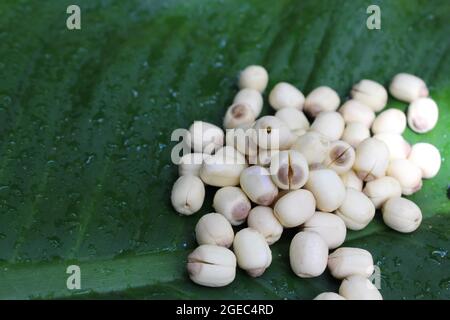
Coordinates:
[340,157]
[190,164]
[407,174]
[212,266]
[257,184]
[308,254]
[285,95]
[329,296]
[214,228]
[272,133]
[223,168]
[240,138]
[321,99]
[233,204]
[252,251]
[327,188]
[398,147]
[294,208]
[330,124]
[205,137]
[382,189]
[238,114]
[188,194]
[254,77]
[357,210]
[251,97]
[357,287]
[355,111]
[407,87]
[402,215]
[351,180]
[289,170]
[313,146]
[329,226]
[355,133]
[427,157]
[264,221]
[390,121]
[423,115]
[371,159]
[295,119]
[370,93]
[345,262]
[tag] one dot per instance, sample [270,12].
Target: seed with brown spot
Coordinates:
[233,204]
[289,170]
[239,114]
[257,184]
[340,157]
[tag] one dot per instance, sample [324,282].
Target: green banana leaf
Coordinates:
[85,135]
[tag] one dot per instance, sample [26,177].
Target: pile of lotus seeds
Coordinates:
[323,177]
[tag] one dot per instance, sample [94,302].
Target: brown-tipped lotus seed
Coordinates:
[370,93]
[258,185]
[355,133]
[357,210]
[294,208]
[427,157]
[329,296]
[340,157]
[330,124]
[223,168]
[233,204]
[407,174]
[308,254]
[214,228]
[313,146]
[351,180]
[212,266]
[402,215]
[272,133]
[423,115]
[252,251]
[355,111]
[398,147]
[263,220]
[321,99]
[190,164]
[205,137]
[285,95]
[390,121]
[371,159]
[407,87]
[382,189]
[289,170]
[251,97]
[357,287]
[295,120]
[238,114]
[327,188]
[345,262]
[254,77]
[329,226]
[188,194]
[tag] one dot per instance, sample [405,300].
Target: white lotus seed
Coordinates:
[355,133]
[313,146]
[251,97]
[407,174]
[223,168]
[355,111]
[190,164]
[330,124]
[357,287]
[252,251]
[212,266]
[345,262]
[214,228]
[398,147]
[321,99]
[285,95]
[295,120]
[257,184]
[382,189]
[389,121]
[308,254]
[351,180]
[188,194]
[205,137]
[238,114]
[327,188]
[289,170]
[371,159]
[407,87]
[357,210]
[240,138]
[427,157]
[423,115]
[233,204]
[294,208]
[340,157]
[370,93]
[264,221]
[254,77]
[329,226]
[329,296]
[272,133]
[402,215]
